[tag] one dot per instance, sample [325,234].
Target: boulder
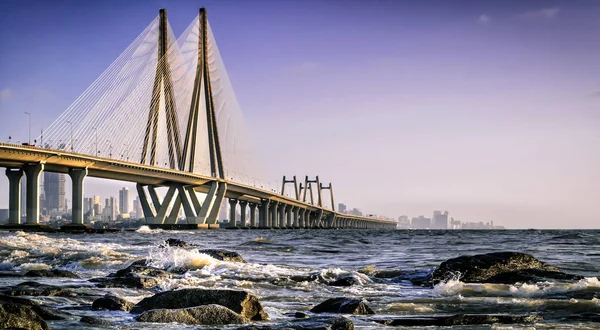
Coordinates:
[134,276]
[223,255]
[13,315]
[460,319]
[44,312]
[112,303]
[241,302]
[206,314]
[497,267]
[36,289]
[174,242]
[313,323]
[50,273]
[343,306]
[345,281]
[94,321]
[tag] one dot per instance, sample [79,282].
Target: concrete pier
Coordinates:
[232,207]
[253,215]
[243,205]
[14,195]
[33,172]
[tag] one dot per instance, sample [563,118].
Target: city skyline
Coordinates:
[490,112]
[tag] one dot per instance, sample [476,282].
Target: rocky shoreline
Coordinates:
[225,307]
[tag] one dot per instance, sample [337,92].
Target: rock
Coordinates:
[343,306]
[14,315]
[112,303]
[94,321]
[389,273]
[224,255]
[134,276]
[460,319]
[241,302]
[44,312]
[300,315]
[36,289]
[139,262]
[345,281]
[174,242]
[50,273]
[10,274]
[313,323]
[206,314]
[308,278]
[532,276]
[497,266]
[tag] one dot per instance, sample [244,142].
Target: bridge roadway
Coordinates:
[275,210]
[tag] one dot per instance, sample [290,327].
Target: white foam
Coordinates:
[32,266]
[147,230]
[173,257]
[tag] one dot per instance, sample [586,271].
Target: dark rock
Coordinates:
[300,315]
[309,278]
[343,306]
[224,255]
[532,276]
[50,273]
[94,321]
[313,323]
[134,276]
[13,315]
[391,273]
[112,303]
[44,312]
[206,314]
[140,262]
[241,302]
[497,266]
[345,281]
[174,242]
[36,289]
[460,319]
[10,274]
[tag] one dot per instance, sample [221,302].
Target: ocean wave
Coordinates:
[455,287]
[147,230]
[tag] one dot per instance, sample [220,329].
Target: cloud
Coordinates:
[546,13]
[6,94]
[484,19]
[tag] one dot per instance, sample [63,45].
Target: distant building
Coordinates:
[342,208]
[439,220]
[454,224]
[420,223]
[124,201]
[137,208]
[54,191]
[88,204]
[3,215]
[403,222]
[356,212]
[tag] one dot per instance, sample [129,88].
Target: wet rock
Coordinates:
[174,242]
[44,312]
[313,323]
[224,255]
[345,281]
[134,276]
[389,273]
[50,273]
[10,274]
[13,315]
[112,303]
[460,319]
[500,267]
[140,262]
[309,278]
[206,314]
[36,289]
[343,306]
[241,302]
[94,321]
[532,276]
[300,315]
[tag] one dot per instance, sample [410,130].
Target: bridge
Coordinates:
[167,115]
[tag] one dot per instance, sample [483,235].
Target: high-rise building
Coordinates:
[342,208]
[420,223]
[54,192]
[403,221]
[88,204]
[137,208]
[124,201]
[439,220]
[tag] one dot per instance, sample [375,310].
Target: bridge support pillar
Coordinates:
[263,214]
[33,172]
[77,175]
[14,195]
[273,221]
[282,209]
[288,213]
[232,209]
[243,205]
[295,217]
[252,215]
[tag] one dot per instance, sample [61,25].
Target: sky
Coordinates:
[490,110]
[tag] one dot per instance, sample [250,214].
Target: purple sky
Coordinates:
[490,110]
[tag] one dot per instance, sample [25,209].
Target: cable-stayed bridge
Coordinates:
[164,114]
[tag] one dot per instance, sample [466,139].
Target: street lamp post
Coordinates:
[29,115]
